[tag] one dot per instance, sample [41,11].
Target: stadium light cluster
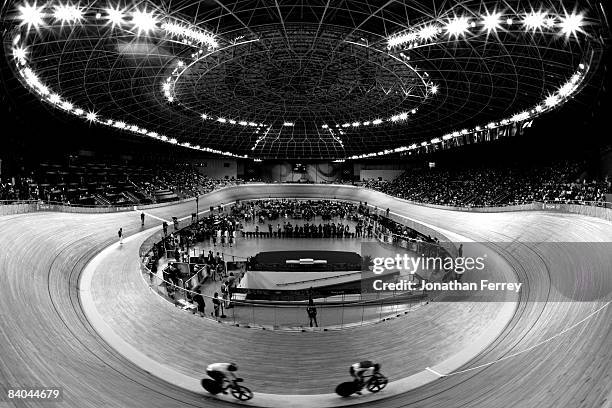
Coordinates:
[400,117]
[566,24]
[141,20]
[564,92]
[190,33]
[33,82]
[67,13]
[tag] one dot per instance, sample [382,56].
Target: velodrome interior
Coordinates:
[555,348]
[136,134]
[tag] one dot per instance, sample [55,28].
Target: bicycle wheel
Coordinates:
[242,393]
[346,389]
[377,382]
[211,386]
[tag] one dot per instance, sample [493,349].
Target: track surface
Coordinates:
[46,340]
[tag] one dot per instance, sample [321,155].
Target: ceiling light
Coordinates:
[144,21]
[31,15]
[457,27]
[115,16]
[428,32]
[67,13]
[20,54]
[534,21]
[491,22]
[571,24]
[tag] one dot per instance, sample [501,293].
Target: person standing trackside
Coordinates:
[199,300]
[216,304]
[311,310]
[120,234]
[142,217]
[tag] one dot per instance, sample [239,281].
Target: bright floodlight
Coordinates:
[433,89]
[20,54]
[491,22]
[571,24]
[457,26]
[115,16]
[92,116]
[31,15]
[428,32]
[67,13]
[551,100]
[144,21]
[566,89]
[534,21]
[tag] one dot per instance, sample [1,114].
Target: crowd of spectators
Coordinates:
[562,182]
[109,184]
[184,181]
[99,184]
[18,189]
[334,218]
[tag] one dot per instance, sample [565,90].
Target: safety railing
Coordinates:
[329,313]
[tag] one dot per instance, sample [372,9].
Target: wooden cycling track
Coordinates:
[45,338]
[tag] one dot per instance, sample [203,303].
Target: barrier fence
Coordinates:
[332,313]
[599,209]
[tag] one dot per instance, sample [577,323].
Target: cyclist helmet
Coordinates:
[232,367]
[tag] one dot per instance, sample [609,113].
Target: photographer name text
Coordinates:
[406,285]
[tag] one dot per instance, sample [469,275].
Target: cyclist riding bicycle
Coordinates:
[360,370]
[221,372]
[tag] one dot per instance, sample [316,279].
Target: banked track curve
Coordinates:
[45,338]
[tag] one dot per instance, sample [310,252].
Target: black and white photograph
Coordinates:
[305,204]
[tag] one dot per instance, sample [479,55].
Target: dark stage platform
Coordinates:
[306,260]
